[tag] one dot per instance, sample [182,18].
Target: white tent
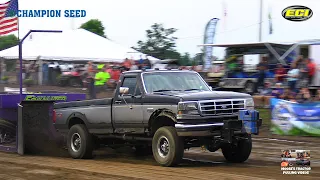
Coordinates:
[72,45]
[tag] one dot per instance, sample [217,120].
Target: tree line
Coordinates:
[160,42]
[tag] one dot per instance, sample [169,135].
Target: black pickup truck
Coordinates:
[158,111]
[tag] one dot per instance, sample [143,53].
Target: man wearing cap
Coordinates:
[101,78]
[90,80]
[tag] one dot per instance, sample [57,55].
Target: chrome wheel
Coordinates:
[163,146]
[76,142]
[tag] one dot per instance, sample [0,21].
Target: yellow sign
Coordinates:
[297,13]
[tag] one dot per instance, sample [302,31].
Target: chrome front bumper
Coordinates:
[211,129]
[195,126]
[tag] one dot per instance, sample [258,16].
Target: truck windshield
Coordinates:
[173,81]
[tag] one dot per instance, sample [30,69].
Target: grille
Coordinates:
[221,107]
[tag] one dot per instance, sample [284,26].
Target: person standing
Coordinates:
[50,73]
[312,70]
[127,64]
[147,63]
[292,79]
[90,80]
[45,73]
[303,73]
[140,62]
[109,70]
[262,67]
[101,78]
[280,73]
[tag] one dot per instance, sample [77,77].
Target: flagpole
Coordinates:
[260,21]
[20,57]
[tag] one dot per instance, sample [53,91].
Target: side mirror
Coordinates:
[123,90]
[210,88]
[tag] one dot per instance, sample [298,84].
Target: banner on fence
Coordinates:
[290,118]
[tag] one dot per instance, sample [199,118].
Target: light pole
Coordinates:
[20,52]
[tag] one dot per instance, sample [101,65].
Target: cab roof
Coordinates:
[156,70]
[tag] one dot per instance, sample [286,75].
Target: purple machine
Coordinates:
[9,114]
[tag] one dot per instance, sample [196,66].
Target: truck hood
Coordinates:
[207,95]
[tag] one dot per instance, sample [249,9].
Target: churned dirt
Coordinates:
[264,162]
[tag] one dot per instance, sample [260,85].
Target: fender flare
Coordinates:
[77,115]
[164,113]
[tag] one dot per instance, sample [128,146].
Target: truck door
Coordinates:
[127,109]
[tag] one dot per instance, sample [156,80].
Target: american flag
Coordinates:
[8,17]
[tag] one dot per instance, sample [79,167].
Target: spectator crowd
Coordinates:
[290,84]
[105,77]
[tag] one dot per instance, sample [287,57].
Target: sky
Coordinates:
[125,21]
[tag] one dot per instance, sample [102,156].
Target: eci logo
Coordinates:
[297,13]
[51,13]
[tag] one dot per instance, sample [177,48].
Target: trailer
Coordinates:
[242,58]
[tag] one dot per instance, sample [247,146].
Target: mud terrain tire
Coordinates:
[239,153]
[167,146]
[79,142]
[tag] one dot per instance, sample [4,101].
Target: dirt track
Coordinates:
[123,164]
[264,162]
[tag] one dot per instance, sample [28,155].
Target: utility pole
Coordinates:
[260,21]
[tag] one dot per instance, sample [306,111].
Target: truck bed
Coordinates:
[105,101]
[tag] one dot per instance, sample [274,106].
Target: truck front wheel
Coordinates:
[238,153]
[79,142]
[167,146]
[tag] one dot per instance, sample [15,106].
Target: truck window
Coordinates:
[138,92]
[131,83]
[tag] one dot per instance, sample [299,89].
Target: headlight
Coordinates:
[249,104]
[188,108]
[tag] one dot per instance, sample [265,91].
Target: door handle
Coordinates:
[150,110]
[118,102]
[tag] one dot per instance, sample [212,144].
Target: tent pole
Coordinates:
[20,52]
[275,53]
[288,51]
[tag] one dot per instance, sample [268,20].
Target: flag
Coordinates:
[270,21]
[8,17]
[224,6]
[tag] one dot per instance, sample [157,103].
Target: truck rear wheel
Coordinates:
[238,153]
[79,142]
[167,146]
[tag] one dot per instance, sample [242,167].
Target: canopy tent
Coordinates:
[293,44]
[73,45]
